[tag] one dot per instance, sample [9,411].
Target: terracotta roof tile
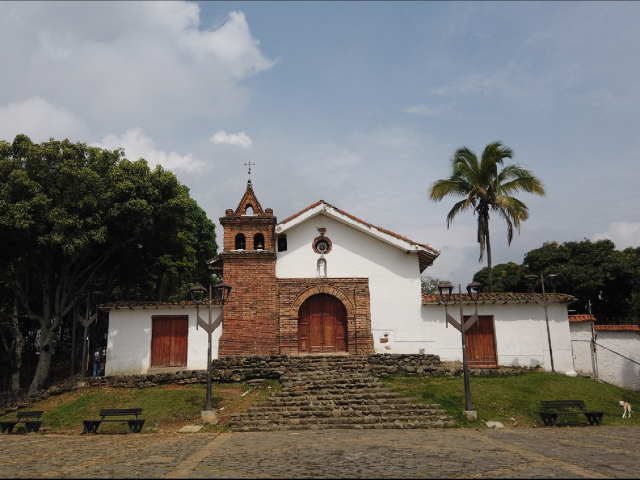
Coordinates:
[288,219]
[147,304]
[619,328]
[352,217]
[436,298]
[581,318]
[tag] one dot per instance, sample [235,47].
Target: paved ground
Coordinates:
[564,452]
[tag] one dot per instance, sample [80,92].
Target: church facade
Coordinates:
[324,282]
[320,281]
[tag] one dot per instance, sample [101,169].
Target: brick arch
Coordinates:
[333,291]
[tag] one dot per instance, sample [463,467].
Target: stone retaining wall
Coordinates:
[239,369]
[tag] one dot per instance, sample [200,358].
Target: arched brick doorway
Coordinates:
[322,325]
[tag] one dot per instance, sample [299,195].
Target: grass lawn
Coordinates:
[495,398]
[169,406]
[518,397]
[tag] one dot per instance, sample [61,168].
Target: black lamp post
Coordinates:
[473,290]
[86,321]
[544,302]
[222,291]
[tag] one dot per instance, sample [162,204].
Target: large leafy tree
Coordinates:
[430,284]
[591,271]
[163,266]
[506,277]
[69,214]
[485,188]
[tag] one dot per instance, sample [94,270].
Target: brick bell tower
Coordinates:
[249,266]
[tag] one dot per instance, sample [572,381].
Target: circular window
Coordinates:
[321,245]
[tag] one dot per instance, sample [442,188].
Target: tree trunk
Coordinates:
[42,377]
[159,285]
[126,296]
[17,352]
[488,241]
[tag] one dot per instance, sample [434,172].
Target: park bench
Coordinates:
[23,417]
[553,408]
[135,425]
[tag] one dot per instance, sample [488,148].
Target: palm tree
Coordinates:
[485,189]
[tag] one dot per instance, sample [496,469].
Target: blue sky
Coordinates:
[360,104]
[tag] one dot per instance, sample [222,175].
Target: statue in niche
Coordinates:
[322,267]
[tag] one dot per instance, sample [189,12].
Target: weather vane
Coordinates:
[250,167]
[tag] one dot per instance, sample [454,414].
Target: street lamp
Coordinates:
[221,291]
[86,321]
[473,290]
[544,302]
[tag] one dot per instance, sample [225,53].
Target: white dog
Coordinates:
[626,408]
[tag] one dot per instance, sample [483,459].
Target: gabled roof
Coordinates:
[491,298]
[249,198]
[426,254]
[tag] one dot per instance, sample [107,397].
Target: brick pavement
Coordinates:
[563,452]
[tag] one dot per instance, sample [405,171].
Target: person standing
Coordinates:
[97,362]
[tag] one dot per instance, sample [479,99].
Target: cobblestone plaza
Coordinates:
[561,452]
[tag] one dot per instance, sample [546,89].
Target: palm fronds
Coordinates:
[485,188]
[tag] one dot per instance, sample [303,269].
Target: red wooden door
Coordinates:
[481,342]
[322,325]
[169,341]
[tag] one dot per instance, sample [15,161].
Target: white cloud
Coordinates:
[232,43]
[240,139]
[40,120]
[127,63]
[137,145]
[435,112]
[623,234]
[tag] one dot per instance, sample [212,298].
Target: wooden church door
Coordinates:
[481,342]
[322,325]
[169,341]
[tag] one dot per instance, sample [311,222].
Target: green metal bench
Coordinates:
[23,417]
[135,425]
[554,408]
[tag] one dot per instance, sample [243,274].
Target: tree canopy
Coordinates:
[507,277]
[486,189]
[590,271]
[75,218]
[430,284]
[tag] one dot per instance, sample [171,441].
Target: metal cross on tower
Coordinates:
[250,167]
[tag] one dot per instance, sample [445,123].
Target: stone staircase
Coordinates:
[322,392]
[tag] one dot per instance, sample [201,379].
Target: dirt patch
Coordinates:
[233,401]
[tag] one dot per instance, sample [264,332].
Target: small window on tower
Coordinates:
[240,241]
[248,210]
[258,241]
[282,243]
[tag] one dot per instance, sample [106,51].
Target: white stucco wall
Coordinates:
[129,339]
[520,333]
[612,367]
[394,278]
[583,356]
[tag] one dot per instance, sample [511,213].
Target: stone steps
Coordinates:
[336,392]
[335,410]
